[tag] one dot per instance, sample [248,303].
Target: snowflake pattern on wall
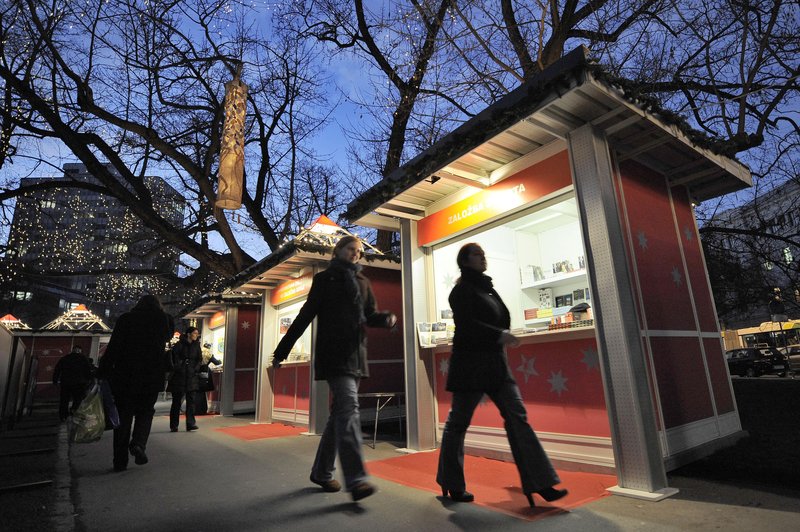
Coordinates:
[677,278]
[590,358]
[558,382]
[527,368]
[642,240]
[444,366]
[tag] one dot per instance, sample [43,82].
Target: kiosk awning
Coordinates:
[530,124]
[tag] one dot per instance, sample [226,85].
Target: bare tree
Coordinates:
[729,66]
[134,89]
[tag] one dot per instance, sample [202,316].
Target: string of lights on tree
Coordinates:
[74,235]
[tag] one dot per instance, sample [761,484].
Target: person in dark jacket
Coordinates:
[185,381]
[479,366]
[73,372]
[134,364]
[341,299]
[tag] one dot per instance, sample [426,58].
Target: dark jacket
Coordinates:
[479,361]
[134,358]
[206,383]
[341,344]
[186,362]
[73,369]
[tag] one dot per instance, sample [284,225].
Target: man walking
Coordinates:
[134,363]
[74,373]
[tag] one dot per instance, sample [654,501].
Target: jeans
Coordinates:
[175,409]
[136,410]
[535,470]
[342,434]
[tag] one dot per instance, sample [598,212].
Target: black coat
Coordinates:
[207,382]
[73,369]
[341,344]
[186,361]
[134,358]
[479,361]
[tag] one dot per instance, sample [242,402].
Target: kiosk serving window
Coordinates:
[537,262]
[301,351]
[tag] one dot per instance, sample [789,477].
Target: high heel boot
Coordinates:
[548,494]
[458,496]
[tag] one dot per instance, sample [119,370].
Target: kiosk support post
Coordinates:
[637,450]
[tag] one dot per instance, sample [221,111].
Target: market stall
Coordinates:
[582,198]
[280,283]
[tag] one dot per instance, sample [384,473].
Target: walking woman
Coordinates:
[341,299]
[186,362]
[479,366]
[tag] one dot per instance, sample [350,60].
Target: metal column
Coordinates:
[421,433]
[634,435]
[229,361]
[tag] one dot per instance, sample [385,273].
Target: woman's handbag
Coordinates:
[88,421]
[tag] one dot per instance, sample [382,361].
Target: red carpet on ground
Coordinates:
[495,483]
[259,431]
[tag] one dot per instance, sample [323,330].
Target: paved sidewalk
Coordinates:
[206,480]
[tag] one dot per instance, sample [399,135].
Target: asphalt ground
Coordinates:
[207,480]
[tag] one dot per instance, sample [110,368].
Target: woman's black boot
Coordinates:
[548,494]
[458,496]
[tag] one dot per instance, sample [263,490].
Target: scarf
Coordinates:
[477,278]
[349,270]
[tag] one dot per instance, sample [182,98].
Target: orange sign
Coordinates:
[291,289]
[520,189]
[217,320]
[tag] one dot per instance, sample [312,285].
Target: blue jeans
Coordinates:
[535,470]
[342,434]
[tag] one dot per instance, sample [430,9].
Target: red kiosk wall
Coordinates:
[560,385]
[385,346]
[675,302]
[248,325]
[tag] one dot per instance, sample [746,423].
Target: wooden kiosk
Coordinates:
[270,293]
[582,197]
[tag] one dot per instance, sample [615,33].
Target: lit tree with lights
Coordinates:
[132,89]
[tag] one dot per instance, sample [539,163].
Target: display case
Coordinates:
[301,350]
[537,263]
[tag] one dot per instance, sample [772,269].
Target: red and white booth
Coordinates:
[257,309]
[582,198]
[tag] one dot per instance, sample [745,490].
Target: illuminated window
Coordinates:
[787,255]
[768,265]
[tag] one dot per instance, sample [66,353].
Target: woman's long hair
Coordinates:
[187,332]
[463,256]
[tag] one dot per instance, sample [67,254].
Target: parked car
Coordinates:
[793,352]
[757,361]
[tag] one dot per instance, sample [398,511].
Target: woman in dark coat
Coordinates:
[134,364]
[341,299]
[479,366]
[185,381]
